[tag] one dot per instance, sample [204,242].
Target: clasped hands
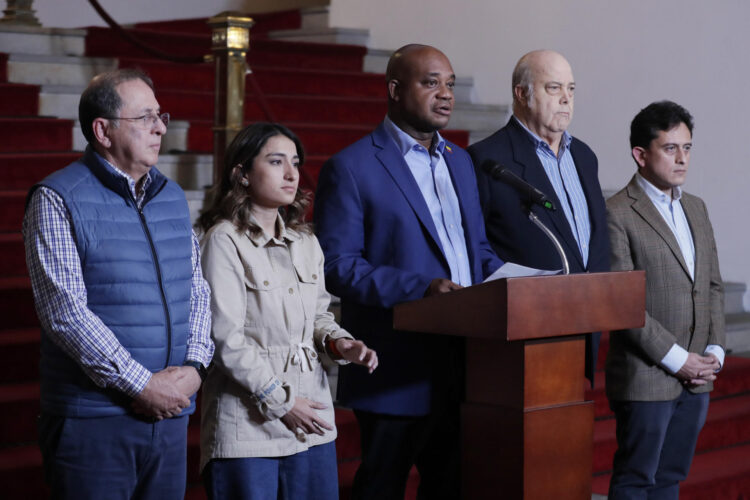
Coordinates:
[698,370]
[303,418]
[168,392]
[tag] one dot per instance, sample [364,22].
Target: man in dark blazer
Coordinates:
[536,146]
[398,217]
[659,376]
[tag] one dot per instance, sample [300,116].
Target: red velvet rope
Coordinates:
[130,38]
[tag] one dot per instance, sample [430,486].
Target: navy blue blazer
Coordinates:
[382,248]
[513,236]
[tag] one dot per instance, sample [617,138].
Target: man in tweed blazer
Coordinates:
[658,377]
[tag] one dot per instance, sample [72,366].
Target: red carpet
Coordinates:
[319,91]
[24,135]
[18,99]
[276,79]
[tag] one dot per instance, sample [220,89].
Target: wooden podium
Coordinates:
[526,430]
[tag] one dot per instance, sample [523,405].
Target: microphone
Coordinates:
[497,171]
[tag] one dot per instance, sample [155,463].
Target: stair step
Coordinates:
[19,408]
[56,70]
[318,139]
[42,41]
[17,304]
[21,473]
[19,355]
[287,19]
[199,105]
[13,261]
[17,99]
[11,210]
[733,379]
[3,67]
[276,79]
[22,135]
[103,42]
[727,423]
[22,170]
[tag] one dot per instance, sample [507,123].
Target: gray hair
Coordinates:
[100,99]
[523,76]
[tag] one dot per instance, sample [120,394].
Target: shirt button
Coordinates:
[291,290]
[265,283]
[314,276]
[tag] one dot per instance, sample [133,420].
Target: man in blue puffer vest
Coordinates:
[122,303]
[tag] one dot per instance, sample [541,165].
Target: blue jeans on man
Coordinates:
[655,445]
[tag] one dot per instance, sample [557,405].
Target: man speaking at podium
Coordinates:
[536,146]
[398,217]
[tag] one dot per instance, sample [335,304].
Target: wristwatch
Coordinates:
[202,371]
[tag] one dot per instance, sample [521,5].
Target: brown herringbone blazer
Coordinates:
[678,309]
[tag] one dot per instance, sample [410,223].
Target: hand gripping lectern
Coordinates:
[526,430]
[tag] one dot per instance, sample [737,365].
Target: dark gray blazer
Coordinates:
[678,309]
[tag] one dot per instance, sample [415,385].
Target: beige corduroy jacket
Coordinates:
[270,320]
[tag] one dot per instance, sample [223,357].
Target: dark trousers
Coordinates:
[655,445]
[392,444]
[117,458]
[307,475]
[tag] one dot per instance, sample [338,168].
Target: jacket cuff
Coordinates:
[340,334]
[275,399]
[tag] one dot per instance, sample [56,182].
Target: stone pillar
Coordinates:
[19,12]
[230,42]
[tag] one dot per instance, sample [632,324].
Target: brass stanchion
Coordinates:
[230,41]
[19,12]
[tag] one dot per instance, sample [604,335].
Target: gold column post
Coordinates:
[230,42]
[19,12]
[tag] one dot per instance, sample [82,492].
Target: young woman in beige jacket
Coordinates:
[267,422]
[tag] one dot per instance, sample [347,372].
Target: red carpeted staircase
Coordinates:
[320,92]
[31,148]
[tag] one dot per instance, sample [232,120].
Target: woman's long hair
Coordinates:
[230,200]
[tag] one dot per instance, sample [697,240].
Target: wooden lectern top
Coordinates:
[531,307]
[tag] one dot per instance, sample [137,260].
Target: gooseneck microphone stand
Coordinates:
[533,218]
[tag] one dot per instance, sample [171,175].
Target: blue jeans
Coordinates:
[655,445]
[308,475]
[117,458]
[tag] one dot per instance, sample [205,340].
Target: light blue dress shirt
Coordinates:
[671,211]
[434,180]
[562,174]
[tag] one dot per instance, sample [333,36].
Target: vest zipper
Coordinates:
[159,278]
